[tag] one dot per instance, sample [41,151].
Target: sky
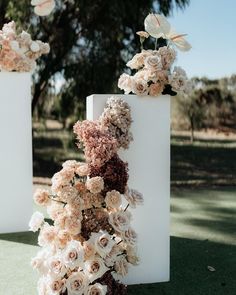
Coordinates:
[211,29]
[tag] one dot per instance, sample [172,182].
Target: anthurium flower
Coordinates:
[158,27]
[43,7]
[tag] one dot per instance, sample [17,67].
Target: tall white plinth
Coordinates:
[149,169]
[15,151]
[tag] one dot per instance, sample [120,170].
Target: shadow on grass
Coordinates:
[28,238]
[203,163]
[189,272]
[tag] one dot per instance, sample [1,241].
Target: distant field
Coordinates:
[209,161]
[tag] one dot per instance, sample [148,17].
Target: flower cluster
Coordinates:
[18,52]
[117,119]
[154,75]
[90,241]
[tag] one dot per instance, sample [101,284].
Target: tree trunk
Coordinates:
[192,129]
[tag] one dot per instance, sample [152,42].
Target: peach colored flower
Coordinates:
[89,250]
[113,199]
[125,83]
[121,266]
[142,34]
[41,197]
[47,234]
[95,184]
[156,89]
[97,289]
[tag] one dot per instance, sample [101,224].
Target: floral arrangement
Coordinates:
[18,52]
[90,243]
[154,74]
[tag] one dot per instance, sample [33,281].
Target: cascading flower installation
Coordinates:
[154,74]
[90,242]
[18,52]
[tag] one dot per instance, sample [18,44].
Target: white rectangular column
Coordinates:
[15,152]
[149,169]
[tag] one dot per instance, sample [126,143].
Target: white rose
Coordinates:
[125,83]
[97,289]
[34,46]
[153,63]
[55,285]
[36,221]
[120,220]
[77,283]
[103,243]
[73,255]
[42,286]
[121,266]
[130,237]
[94,268]
[113,199]
[133,197]
[132,256]
[39,261]
[111,258]
[56,266]
[140,87]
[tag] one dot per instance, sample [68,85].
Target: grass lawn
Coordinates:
[202,234]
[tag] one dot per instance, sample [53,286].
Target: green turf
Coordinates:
[203,234]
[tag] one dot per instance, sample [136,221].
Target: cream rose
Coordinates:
[132,257]
[121,266]
[55,285]
[140,87]
[120,220]
[38,262]
[103,243]
[77,283]
[125,83]
[153,63]
[156,89]
[130,237]
[97,289]
[113,199]
[89,250]
[133,197]
[56,266]
[73,255]
[94,268]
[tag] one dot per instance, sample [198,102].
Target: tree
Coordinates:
[90,41]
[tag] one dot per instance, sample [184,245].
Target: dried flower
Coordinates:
[114,173]
[95,184]
[99,145]
[116,118]
[113,199]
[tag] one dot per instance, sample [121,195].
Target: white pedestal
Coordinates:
[15,152]
[149,170]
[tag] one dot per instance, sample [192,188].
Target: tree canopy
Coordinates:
[90,43]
